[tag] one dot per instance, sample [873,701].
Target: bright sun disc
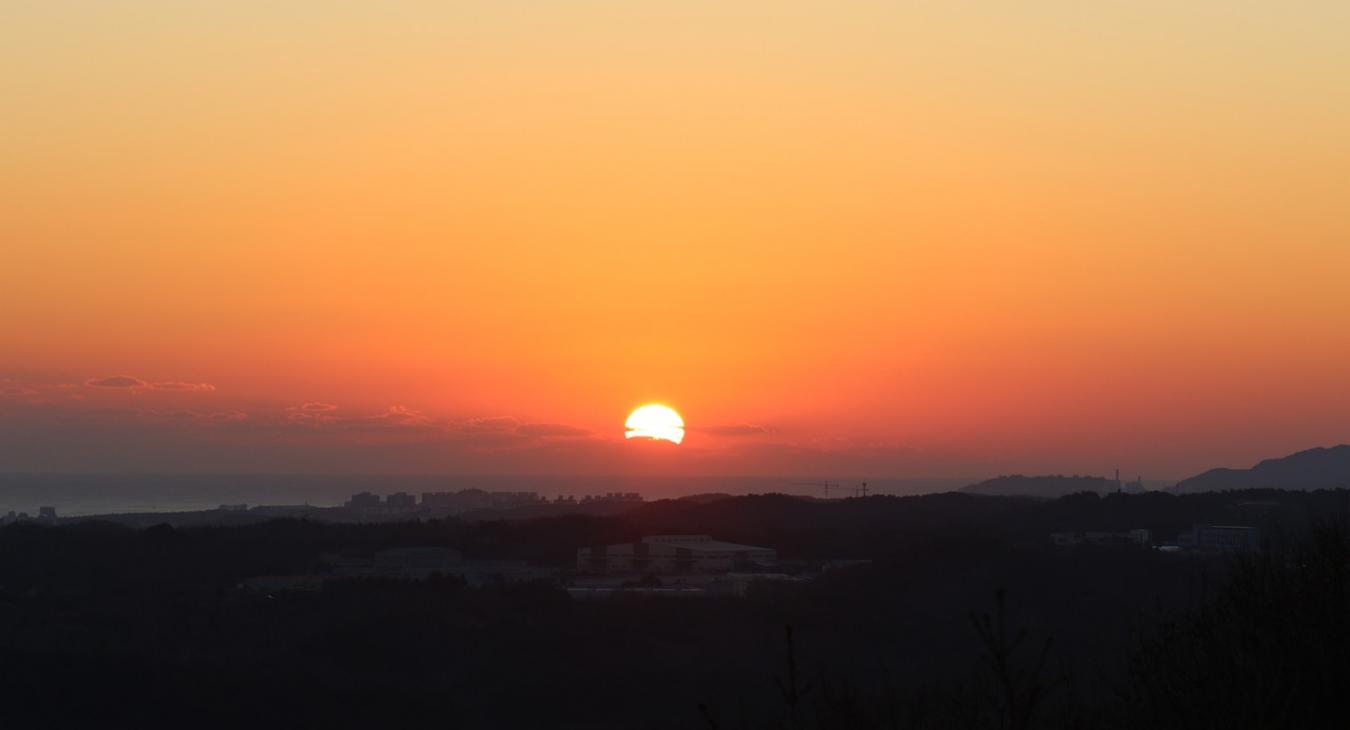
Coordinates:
[655,422]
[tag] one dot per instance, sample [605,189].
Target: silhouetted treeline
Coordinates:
[1266,647]
[114,626]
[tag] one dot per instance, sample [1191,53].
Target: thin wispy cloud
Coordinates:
[127,382]
[179,385]
[14,389]
[199,417]
[116,381]
[492,423]
[734,430]
[551,430]
[312,413]
[329,417]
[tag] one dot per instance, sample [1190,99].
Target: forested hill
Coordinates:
[1049,487]
[1319,468]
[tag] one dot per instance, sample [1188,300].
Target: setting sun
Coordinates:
[316,320]
[656,422]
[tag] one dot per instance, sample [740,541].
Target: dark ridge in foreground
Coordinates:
[114,626]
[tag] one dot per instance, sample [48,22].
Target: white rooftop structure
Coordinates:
[674,554]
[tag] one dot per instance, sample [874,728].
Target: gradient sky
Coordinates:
[841,238]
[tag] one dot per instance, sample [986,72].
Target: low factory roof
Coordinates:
[713,546]
[698,543]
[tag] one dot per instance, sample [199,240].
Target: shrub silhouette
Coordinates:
[1270,649]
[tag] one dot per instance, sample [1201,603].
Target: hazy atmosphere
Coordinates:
[862,238]
[648,365]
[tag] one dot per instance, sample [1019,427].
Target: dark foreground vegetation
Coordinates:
[966,617]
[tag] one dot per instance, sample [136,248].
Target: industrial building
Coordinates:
[420,563]
[364,500]
[1221,539]
[401,501]
[1140,537]
[674,554]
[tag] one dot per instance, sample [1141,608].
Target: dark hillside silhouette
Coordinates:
[1050,487]
[1319,468]
[114,626]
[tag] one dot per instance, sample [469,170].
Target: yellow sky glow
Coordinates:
[923,237]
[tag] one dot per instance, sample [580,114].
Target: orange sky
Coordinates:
[842,238]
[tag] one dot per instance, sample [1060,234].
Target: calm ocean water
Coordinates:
[75,495]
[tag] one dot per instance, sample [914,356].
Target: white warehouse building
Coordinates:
[673,554]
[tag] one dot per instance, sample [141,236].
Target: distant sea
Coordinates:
[93,494]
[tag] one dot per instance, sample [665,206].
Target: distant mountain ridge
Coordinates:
[1049,487]
[1318,468]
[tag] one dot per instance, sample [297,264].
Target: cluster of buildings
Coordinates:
[415,563]
[1142,538]
[1134,487]
[45,514]
[678,566]
[446,503]
[1209,539]
[602,498]
[674,554]
[684,566]
[370,502]
[470,500]
[420,563]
